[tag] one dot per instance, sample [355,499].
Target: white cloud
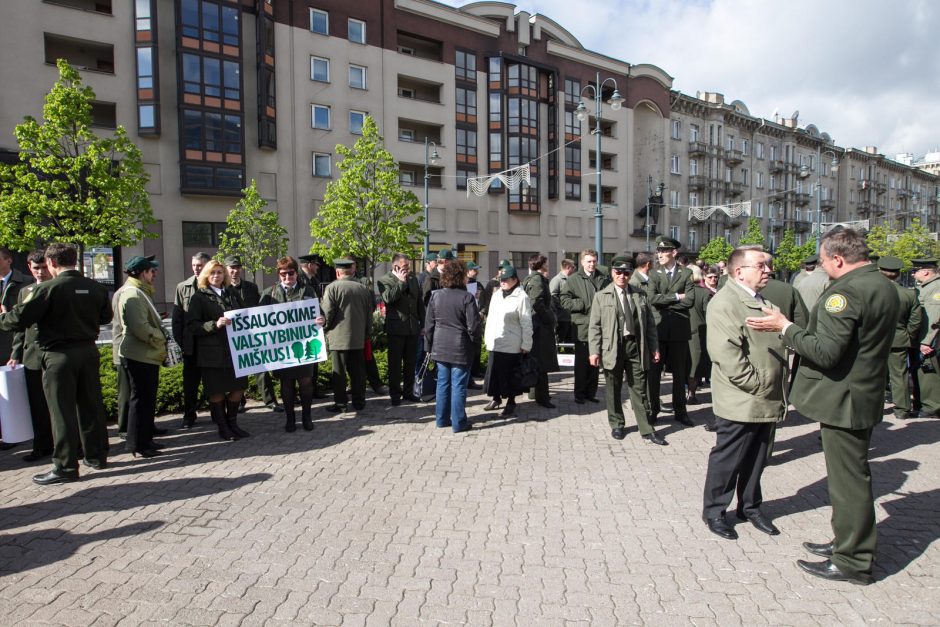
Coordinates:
[865,71]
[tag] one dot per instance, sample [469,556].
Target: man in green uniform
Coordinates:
[404,317]
[68,312]
[577,296]
[347,314]
[673,297]
[622,340]
[925,273]
[812,282]
[840,383]
[906,334]
[191,372]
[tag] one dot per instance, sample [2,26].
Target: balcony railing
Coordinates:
[697,181]
[802,226]
[827,204]
[775,166]
[734,188]
[733,157]
[801,198]
[697,148]
[863,207]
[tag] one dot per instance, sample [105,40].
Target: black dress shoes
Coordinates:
[618,433]
[188,422]
[546,404]
[654,438]
[829,571]
[822,550]
[336,409]
[97,465]
[683,419]
[593,399]
[508,410]
[56,476]
[276,408]
[720,527]
[395,401]
[35,456]
[762,523]
[579,400]
[159,431]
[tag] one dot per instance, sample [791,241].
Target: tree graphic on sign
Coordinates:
[298,349]
[313,348]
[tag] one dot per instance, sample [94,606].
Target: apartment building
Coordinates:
[219,92]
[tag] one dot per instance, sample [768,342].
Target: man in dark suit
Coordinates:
[672,296]
[906,334]
[577,296]
[11,281]
[191,372]
[840,382]
[404,316]
[251,296]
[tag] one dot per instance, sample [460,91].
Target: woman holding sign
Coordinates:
[206,322]
[290,290]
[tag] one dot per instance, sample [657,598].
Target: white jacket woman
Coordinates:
[509,322]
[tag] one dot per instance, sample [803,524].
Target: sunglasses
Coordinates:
[621,272]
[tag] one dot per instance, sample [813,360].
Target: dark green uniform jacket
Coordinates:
[248,292]
[431,282]
[910,320]
[404,304]
[673,323]
[347,306]
[544,350]
[184,292]
[784,296]
[311,281]
[69,309]
[8,298]
[605,332]
[577,295]
[25,347]
[205,308]
[844,351]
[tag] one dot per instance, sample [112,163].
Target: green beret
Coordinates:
[139,264]
[446,254]
[472,266]
[431,257]
[891,264]
[507,272]
[310,259]
[343,262]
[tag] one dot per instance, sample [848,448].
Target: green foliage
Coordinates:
[253,234]
[753,233]
[70,185]
[365,213]
[716,250]
[788,255]
[911,243]
[169,389]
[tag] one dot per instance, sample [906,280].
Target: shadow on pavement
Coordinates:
[907,532]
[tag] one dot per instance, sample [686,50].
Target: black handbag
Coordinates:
[527,372]
[425,385]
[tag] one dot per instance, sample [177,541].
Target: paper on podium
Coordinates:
[14,405]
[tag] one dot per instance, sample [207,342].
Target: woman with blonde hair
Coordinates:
[206,322]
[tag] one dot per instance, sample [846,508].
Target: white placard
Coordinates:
[272,337]
[14,405]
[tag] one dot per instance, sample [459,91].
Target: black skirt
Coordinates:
[500,375]
[222,381]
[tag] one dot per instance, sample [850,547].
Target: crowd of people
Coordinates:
[828,343]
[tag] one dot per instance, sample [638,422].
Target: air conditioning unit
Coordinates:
[406,50]
[406,92]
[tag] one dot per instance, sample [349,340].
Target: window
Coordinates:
[211,132]
[466,145]
[674,164]
[730,139]
[773,153]
[759,180]
[144,68]
[320,117]
[211,77]
[693,239]
[799,239]
[219,24]
[466,104]
[147,116]
[673,198]
[745,145]
[693,167]
[759,150]
[406,134]
[356,31]
[462,175]
[744,175]
[356,120]
[357,76]
[676,129]
[674,232]
[572,92]
[320,69]
[406,178]
[759,208]
[104,114]
[466,65]
[572,191]
[321,164]
[202,233]
[693,132]
[693,199]
[319,22]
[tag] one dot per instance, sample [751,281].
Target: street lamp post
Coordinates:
[804,172]
[615,102]
[430,158]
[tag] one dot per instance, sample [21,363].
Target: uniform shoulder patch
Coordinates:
[936,296]
[836,303]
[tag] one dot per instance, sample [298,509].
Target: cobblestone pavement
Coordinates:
[383,519]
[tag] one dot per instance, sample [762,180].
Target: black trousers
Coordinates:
[585,375]
[402,350]
[192,376]
[123,397]
[563,332]
[38,412]
[629,366]
[676,356]
[265,388]
[351,363]
[735,466]
[143,379]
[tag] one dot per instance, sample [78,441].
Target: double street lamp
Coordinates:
[805,171]
[615,103]
[430,158]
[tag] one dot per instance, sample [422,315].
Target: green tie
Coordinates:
[627,311]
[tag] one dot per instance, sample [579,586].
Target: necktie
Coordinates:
[627,313]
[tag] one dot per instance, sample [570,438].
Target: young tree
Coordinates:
[716,250]
[253,234]
[789,256]
[70,185]
[753,233]
[913,242]
[365,213]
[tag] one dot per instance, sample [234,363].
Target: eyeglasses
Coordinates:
[759,266]
[621,272]
[287,272]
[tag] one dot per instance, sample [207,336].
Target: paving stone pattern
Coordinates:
[382,519]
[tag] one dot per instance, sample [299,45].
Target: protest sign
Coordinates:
[272,337]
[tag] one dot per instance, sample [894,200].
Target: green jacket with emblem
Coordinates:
[929,295]
[844,350]
[749,368]
[25,348]
[347,307]
[605,330]
[68,309]
[577,295]
[910,320]
[136,331]
[673,324]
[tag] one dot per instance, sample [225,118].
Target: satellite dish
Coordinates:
[795,115]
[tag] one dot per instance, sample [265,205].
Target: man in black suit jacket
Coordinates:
[11,282]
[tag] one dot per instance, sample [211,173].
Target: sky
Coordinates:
[865,71]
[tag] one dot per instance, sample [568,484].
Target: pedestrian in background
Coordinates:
[205,324]
[544,350]
[507,336]
[562,315]
[906,334]
[191,371]
[452,323]
[347,312]
[404,315]
[140,344]
[699,362]
[577,295]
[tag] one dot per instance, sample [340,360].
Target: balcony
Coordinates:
[801,198]
[412,131]
[417,89]
[863,207]
[92,6]
[80,53]
[734,188]
[878,210]
[419,47]
[697,181]
[412,175]
[864,184]
[904,193]
[775,165]
[716,184]
[881,188]
[827,204]
[697,148]
[733,157]
[802,226]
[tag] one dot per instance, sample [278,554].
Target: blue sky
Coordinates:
[865,71]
